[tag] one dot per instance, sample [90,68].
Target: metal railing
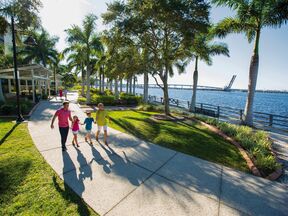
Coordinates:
[230,114]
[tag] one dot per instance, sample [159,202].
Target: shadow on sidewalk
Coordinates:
[120,166]
[66,192]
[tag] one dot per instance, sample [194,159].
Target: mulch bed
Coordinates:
[163,117]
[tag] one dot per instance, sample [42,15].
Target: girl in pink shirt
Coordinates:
[75,130]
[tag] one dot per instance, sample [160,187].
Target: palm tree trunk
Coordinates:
[130,86]
[253,73]
[88,98]
[103,80]
[116,89]
[111,84]
[100,80]
[192,107]
[145,93]
[134,85]
[83,81]
[121,83]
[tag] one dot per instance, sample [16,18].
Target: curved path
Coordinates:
[133,177]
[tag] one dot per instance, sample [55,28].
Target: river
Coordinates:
[274,103]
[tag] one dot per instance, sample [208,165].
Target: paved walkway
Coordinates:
[133,177]
[280,145]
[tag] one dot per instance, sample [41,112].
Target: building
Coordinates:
[34,81]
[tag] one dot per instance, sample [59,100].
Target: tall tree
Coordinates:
[251,17]
[87,37]
[165,28]
[43,51]
[203,49]
[76,61]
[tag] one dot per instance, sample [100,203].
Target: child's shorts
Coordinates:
[75,132]
[88,131]
[104,127]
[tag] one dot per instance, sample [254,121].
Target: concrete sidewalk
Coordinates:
[133,177]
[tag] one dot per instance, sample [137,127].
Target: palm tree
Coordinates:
[203,49]
[43,51]
[77,61]
[251,17]
[87,37]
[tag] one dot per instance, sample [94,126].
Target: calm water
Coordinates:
[275,103]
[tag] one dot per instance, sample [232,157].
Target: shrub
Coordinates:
[108,92]
[82,100]
[105,99]
[95,91]
[130,99]
[7,109]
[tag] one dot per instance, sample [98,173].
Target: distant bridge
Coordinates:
[190,87]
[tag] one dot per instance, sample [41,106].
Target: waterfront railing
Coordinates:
[229,114]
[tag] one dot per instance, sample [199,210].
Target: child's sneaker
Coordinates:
[91,143]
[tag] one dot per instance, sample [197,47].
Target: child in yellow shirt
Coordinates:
[101,120]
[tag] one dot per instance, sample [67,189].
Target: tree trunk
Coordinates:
[166,98]
[103,80]
[253,73]
[166,93]
[88,98]
[134,85]
[130,86]
[127,86]
[121,83]
[145,93]
[100,80]
[83,81]
[116,89]
[192,107]
[111,84]
[2,98]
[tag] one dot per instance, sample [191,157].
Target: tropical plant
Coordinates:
[251,17]
[44,51]
[76,61]
[87,37]
[203,49]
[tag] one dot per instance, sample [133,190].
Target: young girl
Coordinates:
[75,130]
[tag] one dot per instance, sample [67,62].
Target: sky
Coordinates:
[58,15]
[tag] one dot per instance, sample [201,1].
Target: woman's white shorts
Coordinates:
[104,127]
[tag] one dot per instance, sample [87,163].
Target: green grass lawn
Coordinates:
[187,137]
[28,184]
[6,124]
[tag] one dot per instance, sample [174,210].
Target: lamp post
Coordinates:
[19,114]
[28,41]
